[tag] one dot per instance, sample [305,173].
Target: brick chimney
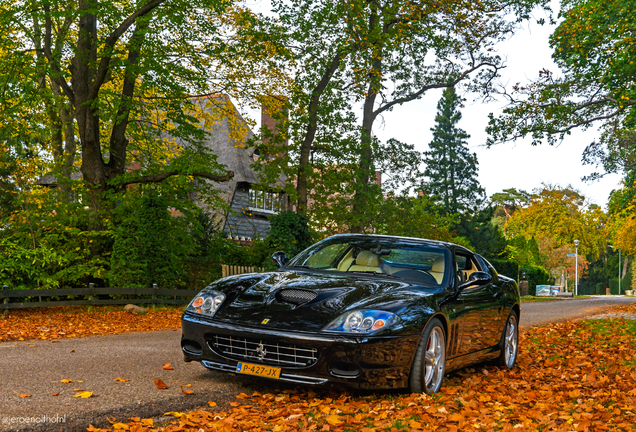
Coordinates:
[274,118]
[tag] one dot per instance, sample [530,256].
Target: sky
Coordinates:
[513,165]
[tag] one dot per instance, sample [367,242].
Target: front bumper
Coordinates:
[363,362]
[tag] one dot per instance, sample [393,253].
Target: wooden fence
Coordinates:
[229,270]
[92,292]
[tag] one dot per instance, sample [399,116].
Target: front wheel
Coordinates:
[509,343]
[429,364]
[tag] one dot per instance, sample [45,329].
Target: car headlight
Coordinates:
[206,303]
[362,321]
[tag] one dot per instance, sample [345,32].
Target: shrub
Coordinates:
[150,245]
[290,233]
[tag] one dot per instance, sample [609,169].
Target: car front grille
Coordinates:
[296,296]
[253,350]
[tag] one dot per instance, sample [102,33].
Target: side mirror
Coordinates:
[280,258]
[476,278]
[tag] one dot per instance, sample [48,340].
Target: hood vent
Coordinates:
[296,296]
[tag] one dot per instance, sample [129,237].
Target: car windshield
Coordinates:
[426,264]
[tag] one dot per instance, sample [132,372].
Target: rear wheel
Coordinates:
[509,342]
[429,364]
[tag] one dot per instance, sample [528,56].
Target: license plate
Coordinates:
[259,370]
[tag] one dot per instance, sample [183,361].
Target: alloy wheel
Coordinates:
[434,359]
[511,341]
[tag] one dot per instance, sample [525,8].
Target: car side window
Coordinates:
[466,265]
[486,266]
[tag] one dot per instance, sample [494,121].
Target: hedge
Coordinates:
[505,267]
[535,275]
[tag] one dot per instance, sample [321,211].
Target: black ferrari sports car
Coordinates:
[366,311]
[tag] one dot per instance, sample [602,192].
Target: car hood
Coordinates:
[260,301]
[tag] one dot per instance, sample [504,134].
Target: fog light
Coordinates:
[191,347]
[344,370]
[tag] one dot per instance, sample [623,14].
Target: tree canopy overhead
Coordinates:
[594,48]
[113,79]
[374,56]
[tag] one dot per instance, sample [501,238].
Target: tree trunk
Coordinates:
[310,134]
[366,165]
[366,151]
[85,108]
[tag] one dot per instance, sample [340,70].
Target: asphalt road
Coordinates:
[544,312]
[37,368]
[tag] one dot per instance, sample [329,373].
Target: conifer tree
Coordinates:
[451,170]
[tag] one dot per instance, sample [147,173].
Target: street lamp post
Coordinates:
[576,269]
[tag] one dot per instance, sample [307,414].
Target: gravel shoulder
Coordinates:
[37,368]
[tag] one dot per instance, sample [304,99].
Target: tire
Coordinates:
[429,364]
[509,343]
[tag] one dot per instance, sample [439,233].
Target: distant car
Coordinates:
[366,311]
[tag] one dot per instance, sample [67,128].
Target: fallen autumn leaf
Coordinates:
[160,384]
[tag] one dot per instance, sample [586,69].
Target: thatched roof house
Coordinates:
[228,139]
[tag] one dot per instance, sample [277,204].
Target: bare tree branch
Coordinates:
[424,89]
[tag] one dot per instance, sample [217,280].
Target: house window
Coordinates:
[267,201]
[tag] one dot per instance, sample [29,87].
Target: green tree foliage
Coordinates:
[213,249]
[118,78]
[150,245]
[316,110]
[509,201]
[379,55]
[406,216]
[621,226]
[555,218]
[451,170]
[523,251]
[594,48]
[46,243]
[289,232]
[8,189]
[442,46]
[484,236]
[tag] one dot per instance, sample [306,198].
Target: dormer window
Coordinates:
[270,202]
